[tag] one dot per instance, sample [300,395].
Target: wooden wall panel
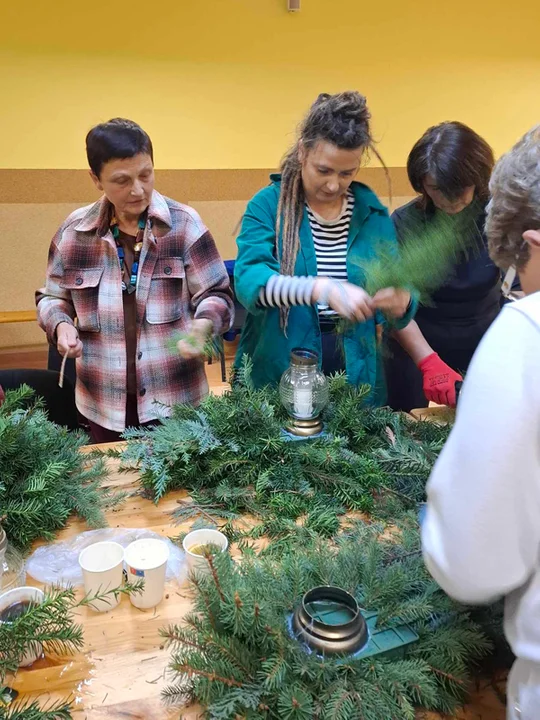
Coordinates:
[33,203]
[74,186]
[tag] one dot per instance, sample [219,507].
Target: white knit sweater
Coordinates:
[481,534]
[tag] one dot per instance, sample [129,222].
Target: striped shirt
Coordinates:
[330,241]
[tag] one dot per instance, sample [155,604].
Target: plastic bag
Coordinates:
[58,563]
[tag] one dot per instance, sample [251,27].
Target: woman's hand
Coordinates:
[393,302]
[67,340]
[439,380]
[346,299]
[193,346]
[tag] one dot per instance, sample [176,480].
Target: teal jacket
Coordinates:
[262,337]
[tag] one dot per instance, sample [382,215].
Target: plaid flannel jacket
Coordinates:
[181,277]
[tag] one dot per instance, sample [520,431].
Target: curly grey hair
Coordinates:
[515,201]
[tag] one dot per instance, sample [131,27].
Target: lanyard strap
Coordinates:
[137,252]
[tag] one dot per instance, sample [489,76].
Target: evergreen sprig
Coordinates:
[211,349]
[409,455]
[49,623]
[44,478]
[236,654]
[32,710]
[427,255]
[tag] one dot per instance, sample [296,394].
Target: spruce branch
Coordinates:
[31,710]
[44,476]
[49,624]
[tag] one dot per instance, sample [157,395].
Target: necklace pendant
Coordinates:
[138,247]
[130,289]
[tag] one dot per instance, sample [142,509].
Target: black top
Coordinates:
[473,289]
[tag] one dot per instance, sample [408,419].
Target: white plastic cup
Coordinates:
[198,563]
[102,566]
[24,594]
[146,560]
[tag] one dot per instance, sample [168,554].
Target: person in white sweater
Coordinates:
[481,532]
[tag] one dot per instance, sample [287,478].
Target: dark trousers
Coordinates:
[100,434]
[333,354]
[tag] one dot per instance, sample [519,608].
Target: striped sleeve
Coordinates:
[287,290]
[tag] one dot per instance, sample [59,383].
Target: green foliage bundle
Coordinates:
[236,654]
[44,478]
[428,253]
[212,348]
[231,455]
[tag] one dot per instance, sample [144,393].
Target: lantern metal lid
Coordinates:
[304,358]
[329,622]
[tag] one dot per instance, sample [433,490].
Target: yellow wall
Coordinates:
[223,83]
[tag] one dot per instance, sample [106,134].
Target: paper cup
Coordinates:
[198,563]
[24,594]
[146,560]
[102,566]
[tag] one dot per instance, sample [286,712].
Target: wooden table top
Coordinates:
[122,672]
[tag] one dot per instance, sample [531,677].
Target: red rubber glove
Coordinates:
[439,380]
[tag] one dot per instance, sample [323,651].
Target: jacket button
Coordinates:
[139,356]
[142,392]
[78,281]
[167,270]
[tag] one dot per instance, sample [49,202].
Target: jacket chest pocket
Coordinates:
[165,302]
[84,287]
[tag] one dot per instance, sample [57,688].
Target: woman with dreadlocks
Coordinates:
[300,250]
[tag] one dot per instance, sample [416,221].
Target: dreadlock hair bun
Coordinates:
[341,119]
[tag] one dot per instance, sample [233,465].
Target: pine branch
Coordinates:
[44,476]
[427,255]
[49,623]
[31,710]
[188,671]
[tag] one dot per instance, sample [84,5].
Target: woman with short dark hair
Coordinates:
[132,269]
[449,167]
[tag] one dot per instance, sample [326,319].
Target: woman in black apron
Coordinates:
[449,167]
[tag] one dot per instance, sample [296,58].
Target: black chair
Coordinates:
[59,401]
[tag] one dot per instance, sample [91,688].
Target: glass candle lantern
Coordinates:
[303,390]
